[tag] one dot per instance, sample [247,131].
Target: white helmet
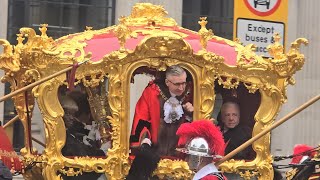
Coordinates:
[199,147]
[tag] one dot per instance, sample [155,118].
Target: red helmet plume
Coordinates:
[204,129]
[303,150]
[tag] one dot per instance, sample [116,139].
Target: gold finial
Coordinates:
[122,32]
[43,30]
[276,37]
[276,49]
[237,40]
[122,19]
[89,28]
[20,39]
[204,33]
[203,22]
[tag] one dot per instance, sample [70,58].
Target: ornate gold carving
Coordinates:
[56,139]
[228,83]
[204,33]
[72,46]
[35,41]
[147,14]
[71,172]
[40,56]
[247,59]
[247,174]
[285,65]
[8,61]
[165,45]
[43,29]
[175,169]
[9,78]
[122,32]
[94,79]
[276,49]
[31,76]
[88,28]
[238,40]
[291,173]
[153,30]
[99,106]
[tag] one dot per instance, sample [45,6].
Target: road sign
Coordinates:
[256,21]
[262,7]
[260,33]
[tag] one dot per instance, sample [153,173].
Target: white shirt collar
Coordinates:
[172,95]
[208,169]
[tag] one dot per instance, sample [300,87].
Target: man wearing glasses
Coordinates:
[163,106]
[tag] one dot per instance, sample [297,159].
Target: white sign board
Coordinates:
[260,33]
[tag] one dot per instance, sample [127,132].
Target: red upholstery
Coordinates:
[106,42]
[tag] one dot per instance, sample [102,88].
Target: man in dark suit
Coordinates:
[235,134]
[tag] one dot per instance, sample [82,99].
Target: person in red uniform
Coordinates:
[10,163]
[163,106]
[203,143]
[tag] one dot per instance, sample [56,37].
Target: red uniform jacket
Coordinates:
[147,115]
[7,154]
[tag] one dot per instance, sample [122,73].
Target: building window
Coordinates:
[219,15]
[63,17]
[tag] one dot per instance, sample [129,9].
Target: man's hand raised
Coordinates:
[188,107]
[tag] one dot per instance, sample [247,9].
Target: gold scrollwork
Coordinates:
[71,172]
[247,59]
[207,93]
[173,169]
[36,56]
[7,60]
[94,79]
[285,65]
[228,82]
[31,76]
[8,77]
[122,32]
[247,174]
[146,13]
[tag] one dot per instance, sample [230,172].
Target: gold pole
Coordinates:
[265,131]
[37,83]
[11,121]
[39,142]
